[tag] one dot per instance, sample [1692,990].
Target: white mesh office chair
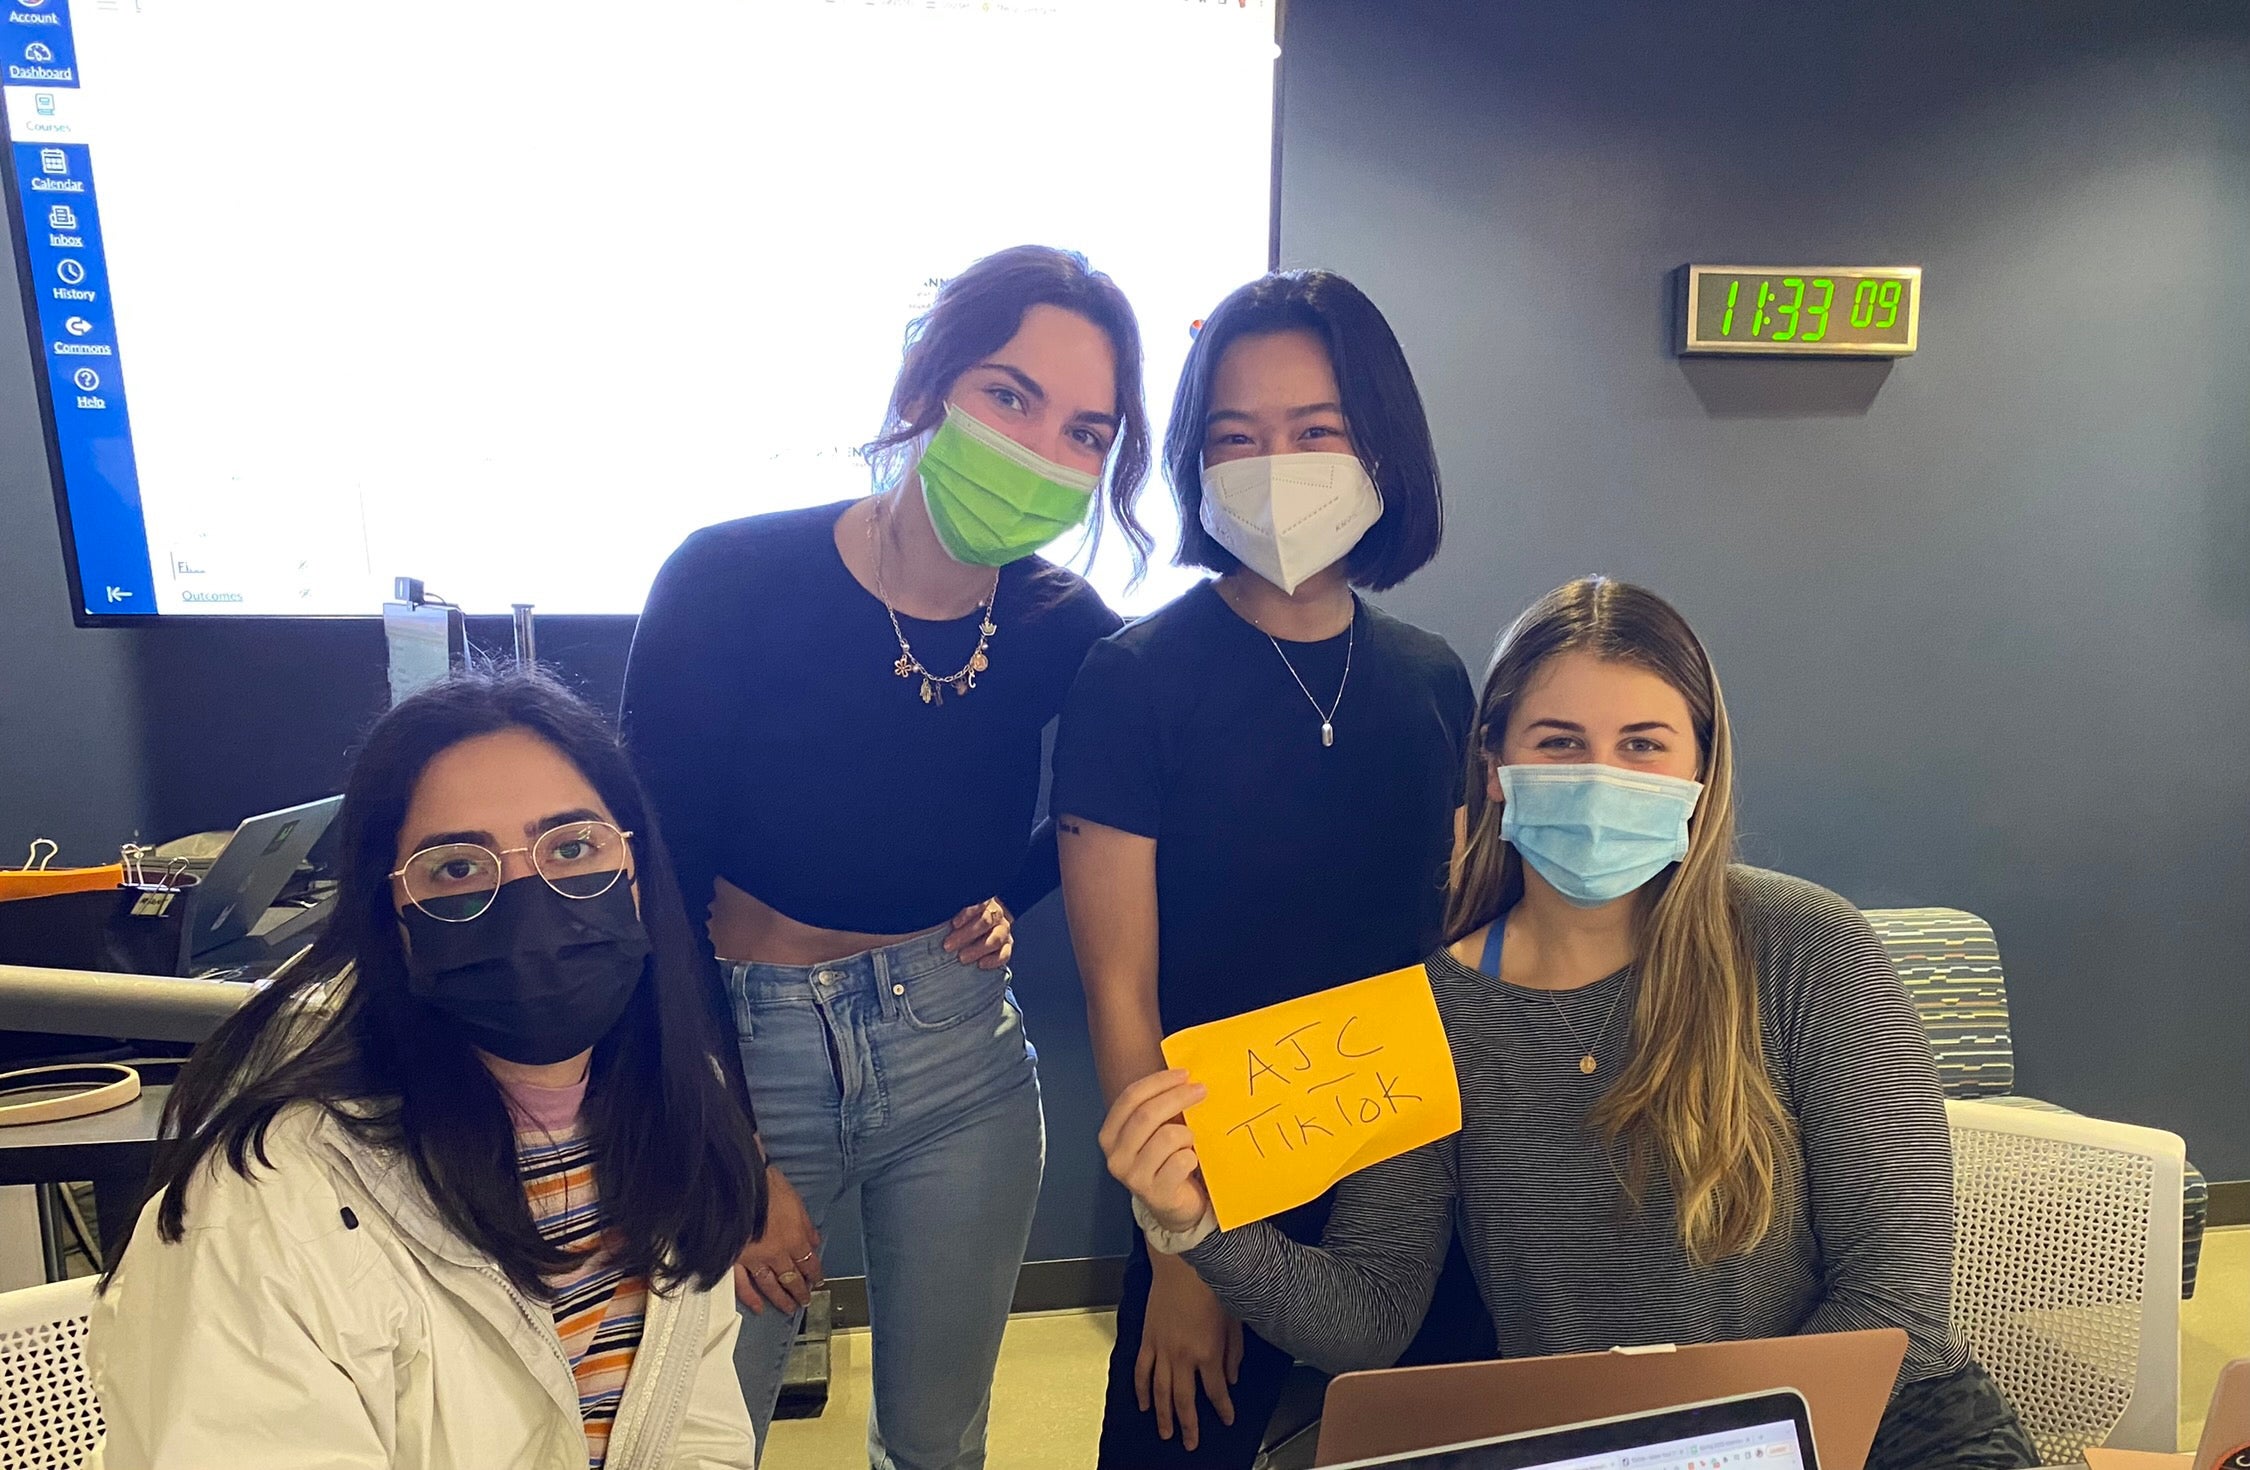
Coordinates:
[48,1417]
[2066,1272]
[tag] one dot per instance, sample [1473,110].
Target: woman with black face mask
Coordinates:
[469,1193]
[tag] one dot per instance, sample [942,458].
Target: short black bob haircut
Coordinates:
[1382,408]
[666,1111]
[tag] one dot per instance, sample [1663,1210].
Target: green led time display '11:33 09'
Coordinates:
[1803,310]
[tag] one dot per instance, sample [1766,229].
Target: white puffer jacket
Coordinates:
[321,1315]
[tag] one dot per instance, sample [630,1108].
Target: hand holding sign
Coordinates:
[1299,1095]
[1151,1152]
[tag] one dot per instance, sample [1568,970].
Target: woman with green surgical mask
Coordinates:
[839,714]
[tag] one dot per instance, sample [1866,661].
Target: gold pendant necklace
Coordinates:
[963,679]
[1586,1063]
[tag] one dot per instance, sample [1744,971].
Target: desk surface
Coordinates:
[118,1142]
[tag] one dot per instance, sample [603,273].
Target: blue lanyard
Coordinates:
[1490,963]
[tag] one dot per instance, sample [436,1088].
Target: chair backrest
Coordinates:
[48,1417]
[2066,1272]
[1951,965]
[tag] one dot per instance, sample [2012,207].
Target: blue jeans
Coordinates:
[908,1074]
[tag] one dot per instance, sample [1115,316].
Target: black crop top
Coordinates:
[784,754]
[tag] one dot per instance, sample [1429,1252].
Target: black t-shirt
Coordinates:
[1282,866]
[785,755]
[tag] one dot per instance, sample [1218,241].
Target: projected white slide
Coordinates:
[511,297]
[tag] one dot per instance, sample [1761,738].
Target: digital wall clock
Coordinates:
[1800,310]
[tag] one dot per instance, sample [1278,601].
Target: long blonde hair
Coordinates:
[1695,1097]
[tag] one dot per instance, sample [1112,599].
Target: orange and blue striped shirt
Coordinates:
[599,1311]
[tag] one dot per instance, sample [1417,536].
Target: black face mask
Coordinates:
[536,978]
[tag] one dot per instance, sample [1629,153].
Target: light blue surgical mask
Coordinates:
[1596,833]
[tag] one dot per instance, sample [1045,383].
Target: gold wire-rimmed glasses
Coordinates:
[454,882]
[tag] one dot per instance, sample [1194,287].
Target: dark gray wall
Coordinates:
[70,719]
[1984,618]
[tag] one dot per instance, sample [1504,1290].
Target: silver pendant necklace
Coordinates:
[1328,715]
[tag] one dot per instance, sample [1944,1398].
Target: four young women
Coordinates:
[521,1119]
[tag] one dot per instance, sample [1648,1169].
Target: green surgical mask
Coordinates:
[991,500]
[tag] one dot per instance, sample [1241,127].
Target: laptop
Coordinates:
[1766,1431]
[231,901]
[1845,1377]
[2226,1432]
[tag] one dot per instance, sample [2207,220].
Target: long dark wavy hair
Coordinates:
[974,315]
[674,1159]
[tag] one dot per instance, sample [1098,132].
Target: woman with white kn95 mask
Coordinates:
[1256,785]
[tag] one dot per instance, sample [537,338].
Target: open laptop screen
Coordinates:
[1760,1447]
[1764,1432]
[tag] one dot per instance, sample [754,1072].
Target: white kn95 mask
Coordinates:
[1288,517]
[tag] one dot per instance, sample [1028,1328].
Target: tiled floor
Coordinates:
[1047,1400]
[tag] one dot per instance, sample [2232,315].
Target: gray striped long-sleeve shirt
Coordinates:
[1864,1228]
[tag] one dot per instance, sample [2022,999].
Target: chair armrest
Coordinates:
[2195,1199]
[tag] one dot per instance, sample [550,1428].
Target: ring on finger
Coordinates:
[763,1271]
[800,1260]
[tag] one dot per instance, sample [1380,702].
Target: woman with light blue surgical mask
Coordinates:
[1698,1104]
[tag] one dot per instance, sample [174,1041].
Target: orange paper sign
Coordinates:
[1308,1091]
